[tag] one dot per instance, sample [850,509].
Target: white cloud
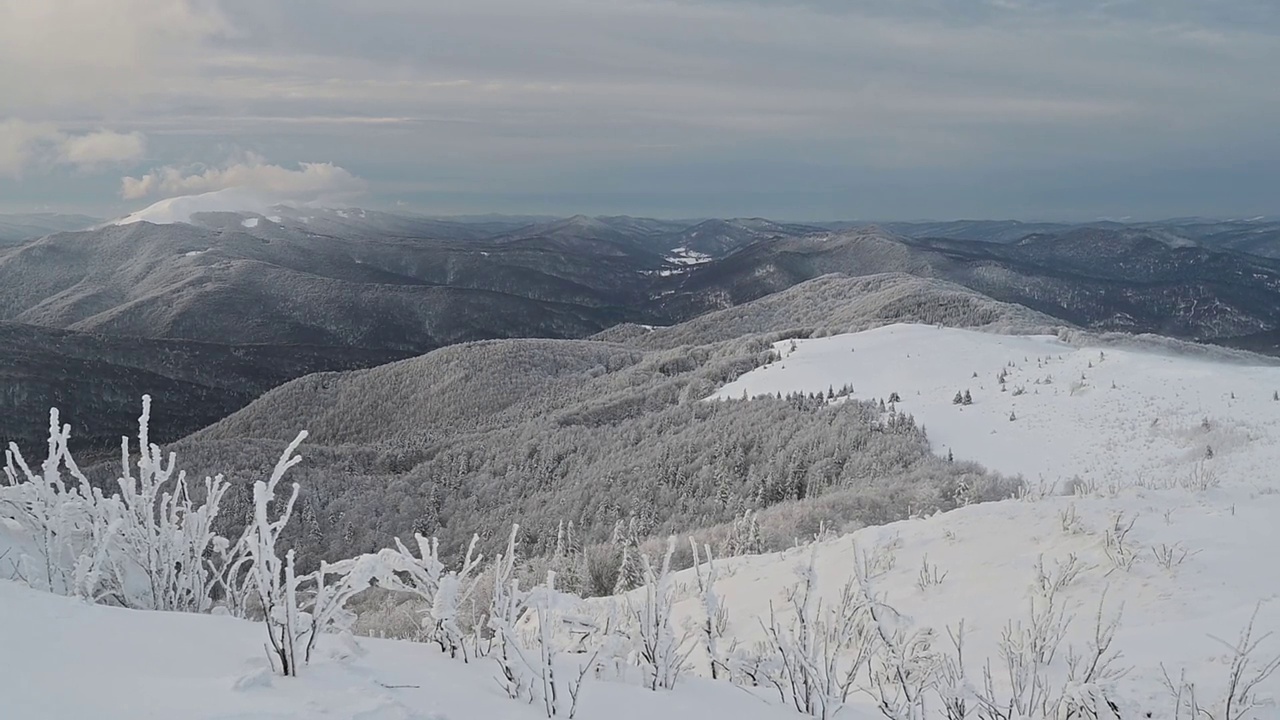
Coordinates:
[19,142]
[101,148]
[26,145]
[310,181]
[248,184]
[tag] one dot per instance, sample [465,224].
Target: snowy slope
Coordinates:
[1137,416]
[986,556]
[61,659]
[1213,520]
[1180,547]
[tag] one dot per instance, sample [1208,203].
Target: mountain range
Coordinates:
[219,310]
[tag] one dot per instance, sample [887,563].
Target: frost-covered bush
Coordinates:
[150,544]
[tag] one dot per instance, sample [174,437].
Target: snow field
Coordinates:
[1123,498]
[1136,418]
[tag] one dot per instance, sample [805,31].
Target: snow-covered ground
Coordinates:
[62,659]
[1179,546]
[1204,536]
[685,256]
[1106,415]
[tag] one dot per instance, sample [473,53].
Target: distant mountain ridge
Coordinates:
[1099,278]
[20,227]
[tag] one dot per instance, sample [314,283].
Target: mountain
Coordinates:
[351,222]
[214,315]
[993,231]
[97,381]
[1128,553]
[17,228]
[284,286]
[1260,237]
[838,303]
[350,288]
[1255,236]
[1125,279]
[465,435]
[716,238]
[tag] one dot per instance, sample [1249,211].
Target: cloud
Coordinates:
[569,99]
[83,53]
[250,175]
[249,184]
[102,148]
[26,145]
[180,209]
[19,142]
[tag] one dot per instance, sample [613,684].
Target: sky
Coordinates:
[792,109]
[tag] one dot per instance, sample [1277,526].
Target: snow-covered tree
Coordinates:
[165,534]
[814,662]
[148,546]
[660,652]
[715,615]
[274,579]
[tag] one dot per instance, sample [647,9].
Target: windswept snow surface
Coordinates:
[62,659]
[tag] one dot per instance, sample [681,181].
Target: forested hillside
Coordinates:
[595,433]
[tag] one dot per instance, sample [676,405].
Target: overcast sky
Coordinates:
[794,109]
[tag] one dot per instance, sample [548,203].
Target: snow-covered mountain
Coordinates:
[19,227]
[1152,493]
[1134,571]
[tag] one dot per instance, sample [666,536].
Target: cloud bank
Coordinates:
[795,108]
